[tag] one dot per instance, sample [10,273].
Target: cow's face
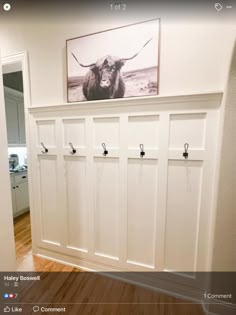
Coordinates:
[106,70]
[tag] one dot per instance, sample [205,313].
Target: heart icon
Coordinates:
[218,6]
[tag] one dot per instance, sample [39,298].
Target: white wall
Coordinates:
[224,257]
[194,57]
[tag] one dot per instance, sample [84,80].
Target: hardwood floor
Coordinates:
[24,258]
[87,292]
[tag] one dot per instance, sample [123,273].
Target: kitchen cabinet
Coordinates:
[13,199]
[12,121]
[15,117]
[20,194]
[22,199]
[21,122]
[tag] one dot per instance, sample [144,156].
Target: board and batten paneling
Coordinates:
[74,132]
[49,198]
[121,210]
[76,203]
[143,129]
[48,183]
[74,177]
[182,214]
[106,187]
[106,207]
[106,130]
[46,133]
[142,179]
[188,128]
[141,211]
[184,190]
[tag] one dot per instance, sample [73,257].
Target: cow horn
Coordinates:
[135,55]
[92,64]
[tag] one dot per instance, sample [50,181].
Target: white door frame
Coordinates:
[14,60]
[20,58]
[7,245]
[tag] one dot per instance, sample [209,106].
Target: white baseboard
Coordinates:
[163,285]
[80,263]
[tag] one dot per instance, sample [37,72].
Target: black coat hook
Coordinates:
[72,148]
[142,153]
[185,154]
[45,149]
[105,152]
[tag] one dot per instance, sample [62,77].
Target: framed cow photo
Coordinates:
[116,63]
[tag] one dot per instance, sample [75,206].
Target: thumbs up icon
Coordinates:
[6,309]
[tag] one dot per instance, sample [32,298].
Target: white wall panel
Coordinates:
[76,202]
[143,129]
[188,128]
[50,206]
[182,214]
[106,206]
[74,132]
[106,130]
[142,207]
[122,210]
[46,132]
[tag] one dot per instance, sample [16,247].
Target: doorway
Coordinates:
[16,95]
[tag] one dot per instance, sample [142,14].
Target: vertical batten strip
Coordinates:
[118,149]
[90,195]
[123,190]
[61,185]
[162,190]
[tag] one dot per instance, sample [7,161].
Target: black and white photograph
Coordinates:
[116,63]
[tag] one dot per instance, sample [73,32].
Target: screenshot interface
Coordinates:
[118,178]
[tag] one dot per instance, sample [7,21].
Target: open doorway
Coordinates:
[17,157]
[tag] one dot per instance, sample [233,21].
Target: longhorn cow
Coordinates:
[104,79]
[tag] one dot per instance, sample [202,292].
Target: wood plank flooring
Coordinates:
[24,258]
[93,293]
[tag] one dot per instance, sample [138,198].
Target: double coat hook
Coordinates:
[45,149]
